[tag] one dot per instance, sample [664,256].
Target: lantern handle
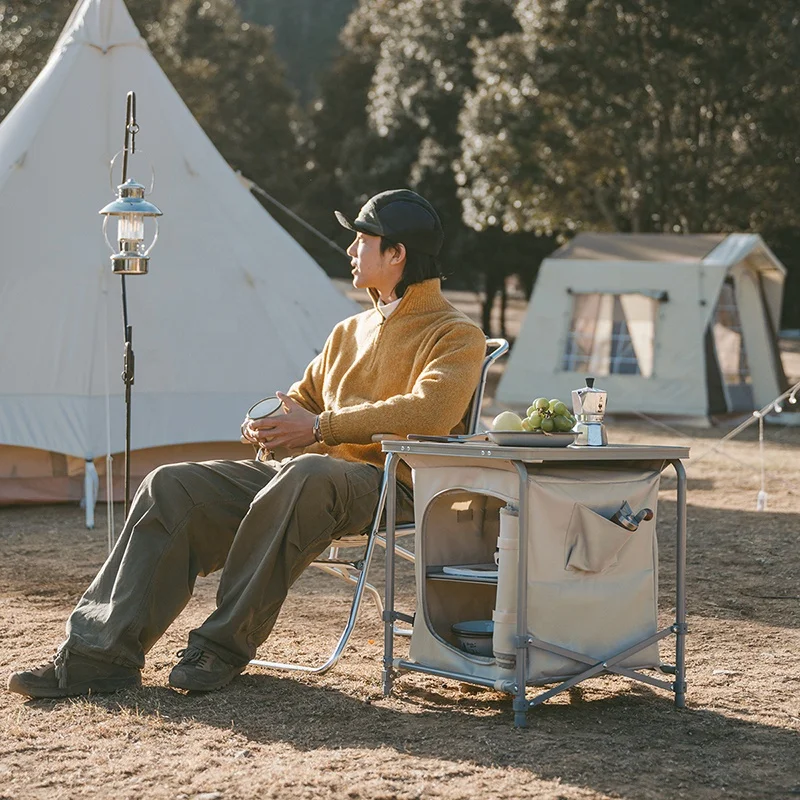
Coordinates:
[105,235]
[111,172]
[155,239]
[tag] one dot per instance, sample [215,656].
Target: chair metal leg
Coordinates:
[398,551]
[340,571]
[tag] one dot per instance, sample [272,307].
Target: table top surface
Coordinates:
[487,449]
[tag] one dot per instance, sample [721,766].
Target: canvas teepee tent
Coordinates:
[232,309]
[668,324]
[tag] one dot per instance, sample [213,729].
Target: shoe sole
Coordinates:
[97,686]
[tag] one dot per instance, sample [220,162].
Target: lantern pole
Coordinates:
[130,257]
[131,129]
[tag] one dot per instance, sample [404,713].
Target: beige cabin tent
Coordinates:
[667,324]
[232,309]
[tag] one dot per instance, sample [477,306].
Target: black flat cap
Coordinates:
[403,217]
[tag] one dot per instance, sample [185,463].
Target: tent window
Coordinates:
[611,334]
[728,338]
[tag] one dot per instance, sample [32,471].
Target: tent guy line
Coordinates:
[254,187]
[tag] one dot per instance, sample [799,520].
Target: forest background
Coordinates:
[524,121]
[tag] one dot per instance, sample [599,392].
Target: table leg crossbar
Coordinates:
[608,665]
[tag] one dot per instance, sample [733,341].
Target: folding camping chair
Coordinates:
[354,571]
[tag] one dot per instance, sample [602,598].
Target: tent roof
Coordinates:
[100,24]
[691,247]
[233,308]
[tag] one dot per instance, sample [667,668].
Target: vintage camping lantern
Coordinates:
[131,258]
[130,208]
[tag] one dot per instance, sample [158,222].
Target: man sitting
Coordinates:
[410,364]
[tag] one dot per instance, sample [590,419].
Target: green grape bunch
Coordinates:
[550,416]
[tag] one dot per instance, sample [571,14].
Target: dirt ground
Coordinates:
[274,735]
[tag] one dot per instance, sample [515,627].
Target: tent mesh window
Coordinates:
[611,334]
[728,338]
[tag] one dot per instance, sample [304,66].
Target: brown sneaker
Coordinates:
[70,674]
[201,671]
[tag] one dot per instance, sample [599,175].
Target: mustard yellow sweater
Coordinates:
[414,372]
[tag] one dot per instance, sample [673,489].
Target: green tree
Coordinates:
[639,115]
[347,160]
[306,34]
[28,31]
[423,69]
[227,73]
[410,63]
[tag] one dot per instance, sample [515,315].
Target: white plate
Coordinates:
[472,570]
[531,438]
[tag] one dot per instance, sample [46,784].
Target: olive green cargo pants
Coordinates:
[261,523]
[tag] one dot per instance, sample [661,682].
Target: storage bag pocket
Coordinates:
[593,542]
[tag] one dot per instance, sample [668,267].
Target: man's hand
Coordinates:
[292,429]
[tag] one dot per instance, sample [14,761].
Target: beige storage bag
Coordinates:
[592,586]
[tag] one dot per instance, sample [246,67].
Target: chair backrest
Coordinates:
[494,349]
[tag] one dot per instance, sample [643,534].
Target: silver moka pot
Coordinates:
[589,407]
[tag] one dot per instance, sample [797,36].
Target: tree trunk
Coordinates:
[486,311]
[493,284]
[503,306]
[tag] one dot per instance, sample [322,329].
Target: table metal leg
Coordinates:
[680,590]
[520,702]
[390,468]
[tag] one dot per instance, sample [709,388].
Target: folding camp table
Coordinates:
[574,594]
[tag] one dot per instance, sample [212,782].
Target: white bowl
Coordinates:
[475,636]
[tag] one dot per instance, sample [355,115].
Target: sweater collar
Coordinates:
[419,297]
